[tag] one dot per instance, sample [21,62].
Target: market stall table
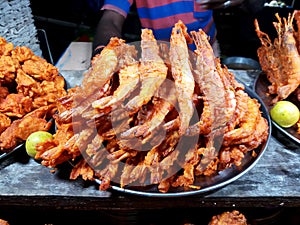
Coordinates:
[272,183]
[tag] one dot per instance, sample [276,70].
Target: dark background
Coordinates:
[66,21]
[73,20]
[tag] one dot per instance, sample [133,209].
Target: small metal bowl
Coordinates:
[241,63]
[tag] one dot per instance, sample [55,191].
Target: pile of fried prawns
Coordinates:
[280,58]
[155,113]
[29,87]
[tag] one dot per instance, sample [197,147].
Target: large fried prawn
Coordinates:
[280,59]
[182,73]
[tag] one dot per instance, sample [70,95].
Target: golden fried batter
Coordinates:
[20,129]
[5,122]
[3,92]
[5,48]
[8,67]
[229,218]
[22,53]
[16,105]
[40,69]
[26,84]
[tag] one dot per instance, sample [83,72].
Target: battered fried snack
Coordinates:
[280,58]
[29,87]
[229,218]
[5,122]
[20,129]
[3,222]
[16,105]
[183,117]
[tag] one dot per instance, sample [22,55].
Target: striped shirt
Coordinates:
[161,15]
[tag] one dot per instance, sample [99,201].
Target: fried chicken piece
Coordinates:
[26,84]
[42,93]
[49,92]
[5,48]
[5,122]
[40,69]
[16,105]
[8,67]
[22,53]
[20,129]
[229,218]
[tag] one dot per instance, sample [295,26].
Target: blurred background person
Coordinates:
[160,16]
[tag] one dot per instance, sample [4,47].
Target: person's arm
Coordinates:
[110,25]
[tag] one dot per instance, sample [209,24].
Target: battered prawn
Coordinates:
[114,56]
[247,125]
[128,79]
[162,105]
[182,73]
[153,71]
[210,84]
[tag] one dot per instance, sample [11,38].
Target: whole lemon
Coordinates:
[34,139]
[285,113]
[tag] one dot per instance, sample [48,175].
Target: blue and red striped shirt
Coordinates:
[160,16]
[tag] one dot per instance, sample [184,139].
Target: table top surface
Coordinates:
[274,180]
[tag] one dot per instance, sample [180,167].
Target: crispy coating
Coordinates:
[38,68]
[8,68]
[22,53]
[5,122]
[229,218]
[82,169]
[182,73]
[20,129]
[5,48]
[16,105]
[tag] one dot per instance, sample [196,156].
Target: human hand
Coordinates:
[218,4]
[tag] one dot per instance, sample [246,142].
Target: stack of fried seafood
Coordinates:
[162,116]
[29,87]
[280,58]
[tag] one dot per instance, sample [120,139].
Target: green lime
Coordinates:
[35,138]
[285,113]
